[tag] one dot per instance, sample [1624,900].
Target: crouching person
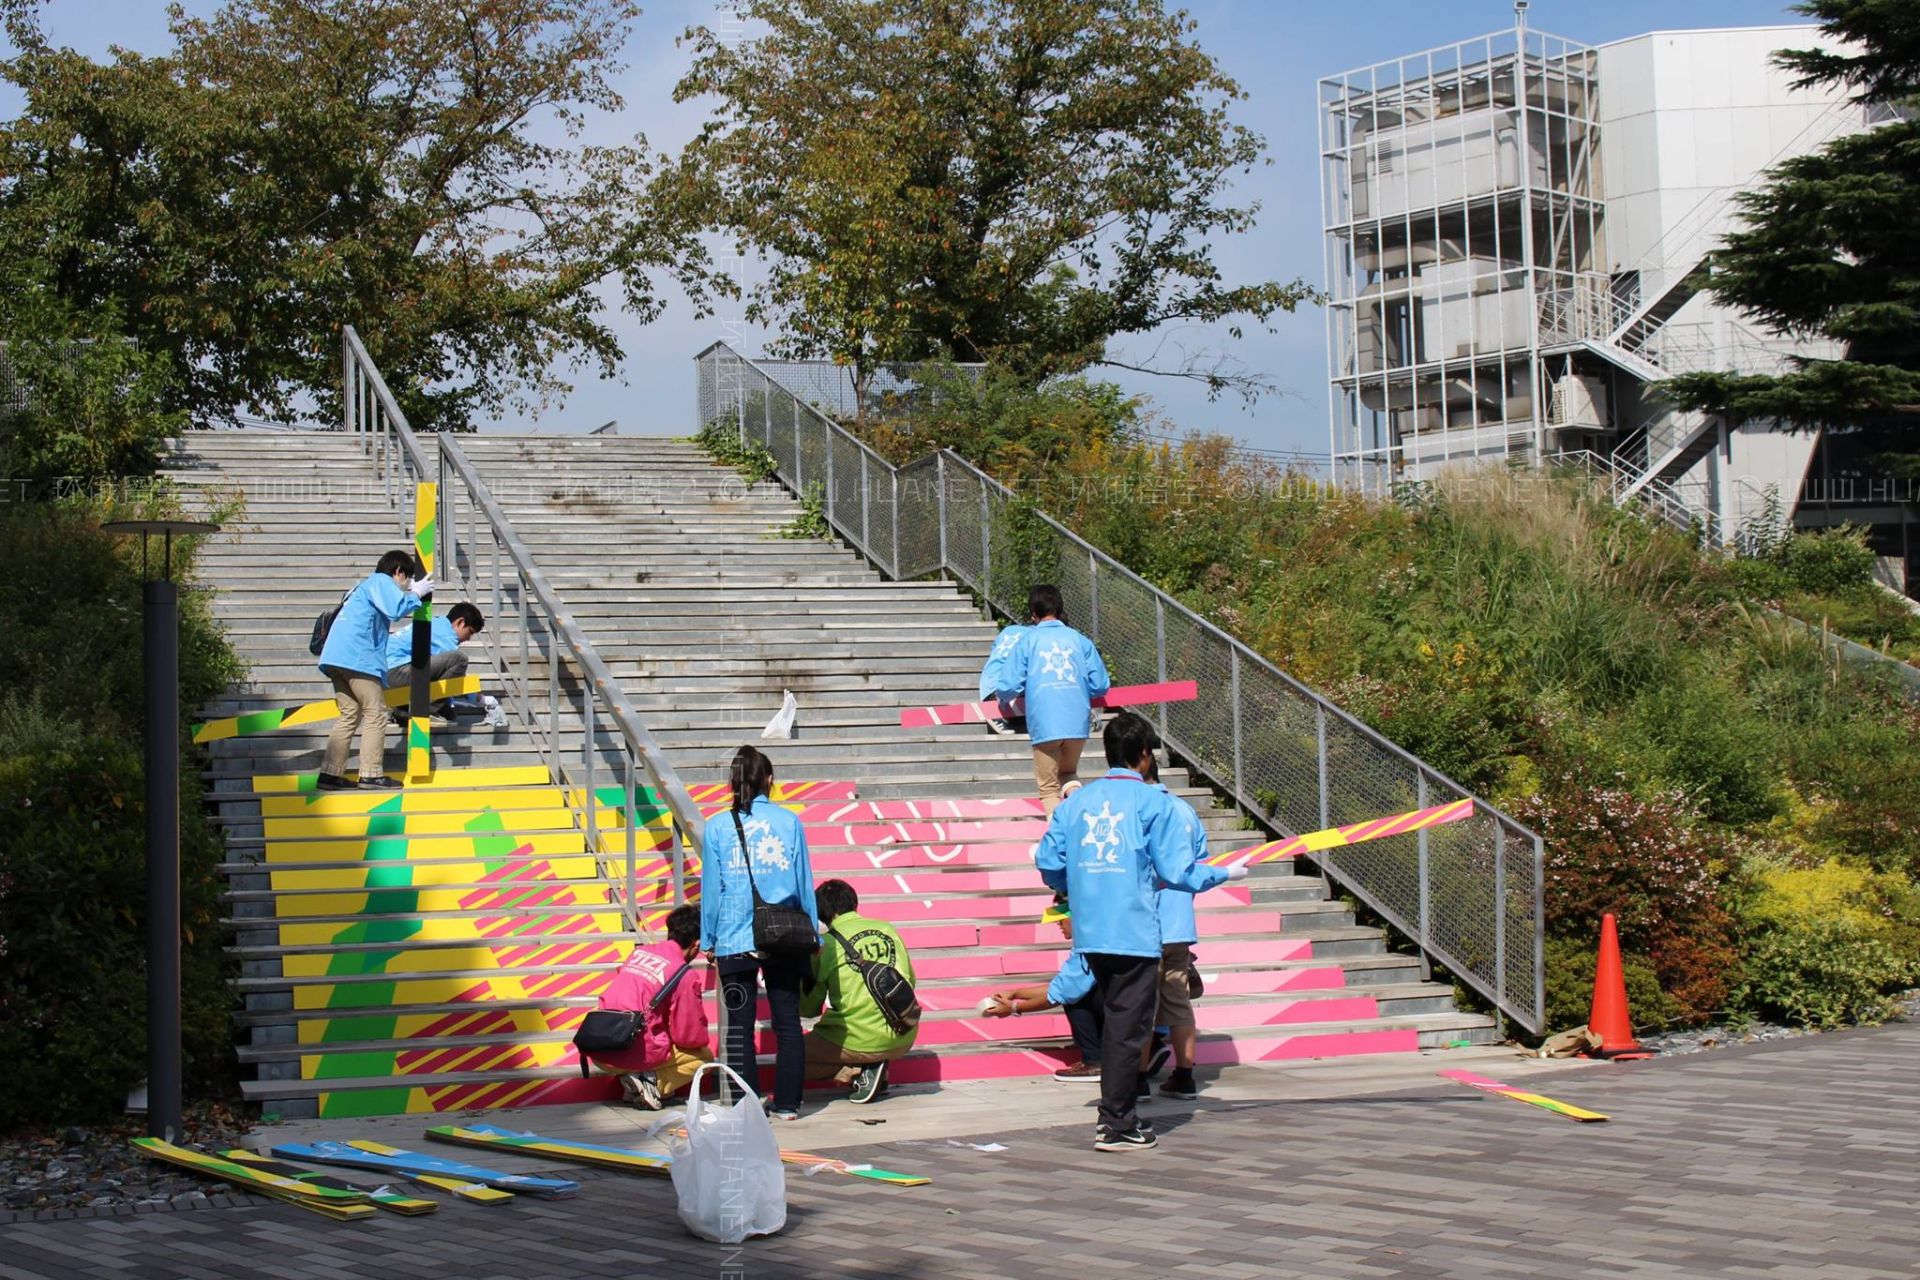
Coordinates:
[855,1038]
[671,1040]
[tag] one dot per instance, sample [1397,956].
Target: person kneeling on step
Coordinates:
[445,661]
[854,1039]
[672,1041]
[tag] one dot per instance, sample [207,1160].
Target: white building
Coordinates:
[1514,251]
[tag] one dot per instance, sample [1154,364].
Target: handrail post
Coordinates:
[940,479]
[1426,881]
[986,552]
[1539,930]
[1320,755]
[587,754]
[1093,592]
[1500,916]
[1160,652]
[633,821]
[827,505]
[896,524]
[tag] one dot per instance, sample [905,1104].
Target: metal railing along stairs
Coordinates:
[1470,895]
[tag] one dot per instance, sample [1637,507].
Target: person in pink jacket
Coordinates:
[672,1042]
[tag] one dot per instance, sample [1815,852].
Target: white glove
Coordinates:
[1238,871]
[422,587]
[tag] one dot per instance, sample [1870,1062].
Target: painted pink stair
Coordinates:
[1045,960]
[964,996]
[901,857]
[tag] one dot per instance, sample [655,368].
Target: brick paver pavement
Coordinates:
[1788,1159]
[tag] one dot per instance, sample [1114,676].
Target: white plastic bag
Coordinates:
[727,1169]
[781,726]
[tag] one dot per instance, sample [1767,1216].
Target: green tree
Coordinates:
[412,167]
[1015,180]
[1826,247]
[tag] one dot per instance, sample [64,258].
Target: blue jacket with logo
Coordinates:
[1111,845]
[358,640]
[1003,646]
[1177,923]
[400,643]
[1058,671]
[777,843]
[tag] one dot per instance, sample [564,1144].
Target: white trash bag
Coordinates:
[727,1169]
[781,726]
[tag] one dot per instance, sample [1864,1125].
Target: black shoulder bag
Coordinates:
[323,626]
[613,1030]
[887,985]
[778,929]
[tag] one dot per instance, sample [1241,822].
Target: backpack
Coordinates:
[323,624]
[887,985]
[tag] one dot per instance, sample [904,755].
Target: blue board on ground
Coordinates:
[395,1160]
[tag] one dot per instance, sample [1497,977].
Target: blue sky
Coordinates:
[1275,48]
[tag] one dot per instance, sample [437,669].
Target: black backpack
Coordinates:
[887,985]
[323,624]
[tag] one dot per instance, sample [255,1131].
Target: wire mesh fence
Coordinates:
[1468,893]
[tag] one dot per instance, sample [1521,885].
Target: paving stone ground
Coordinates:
[1791,1159]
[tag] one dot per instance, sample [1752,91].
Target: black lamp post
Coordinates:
[160,616]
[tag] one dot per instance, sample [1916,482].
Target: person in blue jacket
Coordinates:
[1059,672]
[1003,646]
[1110,846]
[776,864]
[354,658]
[445,661]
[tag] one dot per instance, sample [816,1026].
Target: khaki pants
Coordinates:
[363,709]
[1176,1006]
[673,1074]
[1053,764]
[825,1058]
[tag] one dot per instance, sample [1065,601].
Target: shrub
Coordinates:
[1825,972]
[72,826]
[1647,860]
[1570,966]
[749,457]
[1827,560]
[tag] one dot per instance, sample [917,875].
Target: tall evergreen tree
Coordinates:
[1829,247]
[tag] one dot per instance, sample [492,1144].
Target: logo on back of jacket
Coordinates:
[1057,660]
[1103,838]
[768,849]
[875,946]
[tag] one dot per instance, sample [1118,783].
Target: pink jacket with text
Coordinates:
[681,1021]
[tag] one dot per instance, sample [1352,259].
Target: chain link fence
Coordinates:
[1469,894]
[893,390]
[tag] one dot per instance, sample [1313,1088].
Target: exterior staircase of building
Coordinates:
[433,950]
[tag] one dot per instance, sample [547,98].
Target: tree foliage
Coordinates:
[1826,247]
[1015,180]
[412,167]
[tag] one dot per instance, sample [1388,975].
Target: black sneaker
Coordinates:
[333,782]
[380,784]
[1142,1091]
[1180,1085]
[1134,1139]
[1157,1061]
[869,1084]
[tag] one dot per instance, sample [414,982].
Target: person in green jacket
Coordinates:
[852,1041]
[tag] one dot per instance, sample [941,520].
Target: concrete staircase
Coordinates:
[673,567]
[414,952]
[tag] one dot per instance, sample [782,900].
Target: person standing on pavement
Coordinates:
[1110,847]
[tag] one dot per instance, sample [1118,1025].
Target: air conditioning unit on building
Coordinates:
[1578,401]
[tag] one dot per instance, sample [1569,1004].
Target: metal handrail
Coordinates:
[883,546]
[372,411]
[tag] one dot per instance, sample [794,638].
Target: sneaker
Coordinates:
[646,1090]
[1085,1073]
[1157,1061]
[778,1113]
[1180,1085]
[1134,1139]
[869,1084]
[380,784]
[999,728]
[333,782]
[1143,1092]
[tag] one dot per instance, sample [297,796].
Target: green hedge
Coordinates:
[72,828]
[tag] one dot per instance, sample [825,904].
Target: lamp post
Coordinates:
[160,618]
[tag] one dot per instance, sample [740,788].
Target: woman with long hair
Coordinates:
[757,845]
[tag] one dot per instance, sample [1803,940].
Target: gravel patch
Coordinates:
[1719,1036]
[98,1167]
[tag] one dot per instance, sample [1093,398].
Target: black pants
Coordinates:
[1083,1018]
[739,987]
[1128,989]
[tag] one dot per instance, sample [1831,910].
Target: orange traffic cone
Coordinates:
[1609,1019]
